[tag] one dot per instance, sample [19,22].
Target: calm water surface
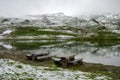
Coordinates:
[107,53]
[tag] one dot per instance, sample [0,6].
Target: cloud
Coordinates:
[69,7]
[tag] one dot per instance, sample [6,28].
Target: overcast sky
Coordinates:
[69,7]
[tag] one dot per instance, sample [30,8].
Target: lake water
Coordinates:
[105,52]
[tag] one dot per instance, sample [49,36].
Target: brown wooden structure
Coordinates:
[38,57]
[68,61]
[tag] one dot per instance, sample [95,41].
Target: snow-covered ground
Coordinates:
[7,32]
[13,70]
[7,46]
[116,31]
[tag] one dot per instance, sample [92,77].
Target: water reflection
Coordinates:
[108,54]
[5,45]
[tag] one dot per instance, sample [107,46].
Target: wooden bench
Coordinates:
[43,58]
[34,56]
[75,62]
[29,56]
[68,61]
[57,61]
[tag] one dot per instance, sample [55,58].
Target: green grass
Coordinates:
[102,38]
[35,31]
[106,70]
[19,66]
[52,68]
[32,45]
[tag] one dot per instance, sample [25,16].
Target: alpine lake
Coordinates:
[98,56]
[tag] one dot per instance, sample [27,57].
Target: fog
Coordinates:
[12,8]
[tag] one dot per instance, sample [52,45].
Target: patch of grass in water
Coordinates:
[100,42]
[32,45]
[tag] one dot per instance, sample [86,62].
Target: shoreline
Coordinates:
[86,67]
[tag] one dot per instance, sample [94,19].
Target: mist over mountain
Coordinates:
[13,8]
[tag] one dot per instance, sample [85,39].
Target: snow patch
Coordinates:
[11,70]
[7,46]
[116,31]
[7,32]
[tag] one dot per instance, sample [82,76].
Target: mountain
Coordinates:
[60,19]
[61,22]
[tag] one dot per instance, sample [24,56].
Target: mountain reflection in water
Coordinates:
[95,52]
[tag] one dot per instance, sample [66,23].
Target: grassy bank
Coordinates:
[111,71]
[35,31]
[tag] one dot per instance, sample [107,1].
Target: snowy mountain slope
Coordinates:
[59,19]
[61,22]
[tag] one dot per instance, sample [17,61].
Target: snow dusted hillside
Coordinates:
[12,70]
[60,19]
[108,22]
